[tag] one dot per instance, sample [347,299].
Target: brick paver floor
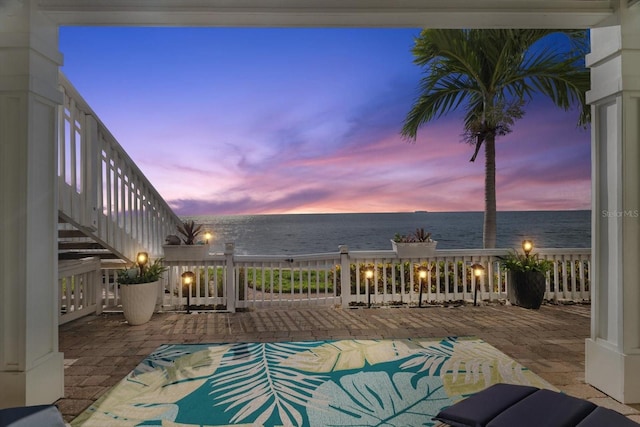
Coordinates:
[100,350]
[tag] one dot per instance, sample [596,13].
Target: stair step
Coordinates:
[70,234]
[80,255]
[65,246]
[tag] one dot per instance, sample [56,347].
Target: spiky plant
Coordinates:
[190,231]
[421,235]
[418,236]
[137,275]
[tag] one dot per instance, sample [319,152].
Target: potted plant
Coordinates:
[414,245]
[185,248]
[526,277]
[139,289]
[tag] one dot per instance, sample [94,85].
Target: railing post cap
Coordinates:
[344,249]
[229,248]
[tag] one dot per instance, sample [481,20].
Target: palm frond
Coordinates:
[431,358]
[253,381]
[481,69]
[440,95]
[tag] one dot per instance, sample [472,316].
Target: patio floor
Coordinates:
[100,350]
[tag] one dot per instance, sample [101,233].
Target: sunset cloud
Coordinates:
[250,121]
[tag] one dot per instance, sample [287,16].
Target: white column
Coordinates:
[31,367]
[345,276]
[231,288]
[613,350]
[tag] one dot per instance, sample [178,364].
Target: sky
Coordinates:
[265,121]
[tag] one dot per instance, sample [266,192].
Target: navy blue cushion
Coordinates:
[31,416]
[603,417]
[544,408]
[482,407]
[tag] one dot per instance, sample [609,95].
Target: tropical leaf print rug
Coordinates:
[321,383]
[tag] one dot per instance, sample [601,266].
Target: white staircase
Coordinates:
[107,207]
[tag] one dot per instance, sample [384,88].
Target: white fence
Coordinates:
[449,277]
[78,284]
[229,282]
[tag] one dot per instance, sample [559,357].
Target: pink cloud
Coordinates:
[217,135]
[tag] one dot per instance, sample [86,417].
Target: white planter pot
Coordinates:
[139,301]
[185,252]
[414,249]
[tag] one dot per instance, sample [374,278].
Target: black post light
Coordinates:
[187,280]
[142,259]
[422,275]
[368,274]
[207,236]
[527,247]
[478,272]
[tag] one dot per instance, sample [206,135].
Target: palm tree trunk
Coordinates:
[489,226]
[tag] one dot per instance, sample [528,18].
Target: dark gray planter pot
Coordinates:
[528,288]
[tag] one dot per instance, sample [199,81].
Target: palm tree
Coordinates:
[492,74]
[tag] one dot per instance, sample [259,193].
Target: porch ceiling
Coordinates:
[333,13]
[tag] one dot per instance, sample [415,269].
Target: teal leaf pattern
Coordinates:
[392,383]
[253,381]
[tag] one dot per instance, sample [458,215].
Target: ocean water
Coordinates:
[319,233]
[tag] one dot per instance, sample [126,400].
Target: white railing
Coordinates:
[449,277]
[101,190]
[79,287]
[229,282]
[276,281]
[209,290]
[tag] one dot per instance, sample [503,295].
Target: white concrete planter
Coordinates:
[414,249]
[186,252]
[139,301]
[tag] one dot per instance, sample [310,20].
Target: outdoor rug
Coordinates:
[317,383]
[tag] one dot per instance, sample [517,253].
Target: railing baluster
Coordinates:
[583,284]
[489,266]
[310,283]
[562,271]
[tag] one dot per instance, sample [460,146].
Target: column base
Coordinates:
[612,372]
[43,384]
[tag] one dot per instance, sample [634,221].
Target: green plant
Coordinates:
[289,280]
[137,275]
[190,231]
[418,236]
[422,236]
[521,262]
[401,238]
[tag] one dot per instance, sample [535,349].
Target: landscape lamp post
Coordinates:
[207,237]
[368,274]
[141,259]
[478,272]
[187,279]
[422,274]
[527,247]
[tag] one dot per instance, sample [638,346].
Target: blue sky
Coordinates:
[250,121]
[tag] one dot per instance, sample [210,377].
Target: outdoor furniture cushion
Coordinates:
[544,408]
[31,416]
[480,408]
[508,405]
[601,417]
